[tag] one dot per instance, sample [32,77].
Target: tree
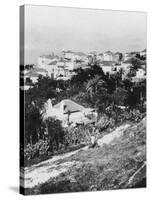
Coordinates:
[44,89]
[34,126]
[55,133]
[94,86]
[136,64]
[120,96]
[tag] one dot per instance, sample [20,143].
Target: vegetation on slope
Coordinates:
[120,164]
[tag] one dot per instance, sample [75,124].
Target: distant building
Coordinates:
[74,56]
[140,73]
[34,74]
[126,56]
[108,56]
[100,57]
[44,60]
[143,53]
[118,57]
[108,67]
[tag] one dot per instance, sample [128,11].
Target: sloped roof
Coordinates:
[32,74]
[50,56]
[128,61]
[80,53]
[144,50]
[68,51]
[117,53]
[53,63]
[39,70]
[107,63]
[69,106]
[109,53]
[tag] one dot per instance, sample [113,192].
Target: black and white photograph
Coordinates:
[82,99]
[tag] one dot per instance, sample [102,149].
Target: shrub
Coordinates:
[55,133]
[75,136]
[104,122]
[35,150]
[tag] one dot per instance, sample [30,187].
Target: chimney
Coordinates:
[49,104]
[62,105]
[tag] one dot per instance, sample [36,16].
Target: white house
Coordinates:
[67,54]
[100,57]
[34,74]
[140,73]
[69,112]
[108,67]
[108,56]
[143,53]
[127,56]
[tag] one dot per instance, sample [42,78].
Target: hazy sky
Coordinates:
[53,29]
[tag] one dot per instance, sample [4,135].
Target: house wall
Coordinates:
[107,57]
[107,69]
[140,73]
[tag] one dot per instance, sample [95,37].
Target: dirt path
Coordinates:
[44,171]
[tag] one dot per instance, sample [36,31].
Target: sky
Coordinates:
[53,29]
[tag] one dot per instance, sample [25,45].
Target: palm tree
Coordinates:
[94,85]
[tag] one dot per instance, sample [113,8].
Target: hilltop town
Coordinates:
[63,67]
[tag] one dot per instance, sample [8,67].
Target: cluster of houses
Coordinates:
[64,66]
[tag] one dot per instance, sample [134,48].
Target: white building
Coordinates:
[140,73]
[143,53]
[34,74]
[108,67]
[100,57]
[73,56]
[108,56]
[127,56]
[69,112]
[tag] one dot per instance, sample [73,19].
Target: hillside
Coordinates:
[117,165]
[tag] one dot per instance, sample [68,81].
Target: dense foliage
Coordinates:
[89,87]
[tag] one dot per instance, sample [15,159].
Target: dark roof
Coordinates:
[107,63]
[109,52]
[129,61]
[68,51]
[117,53]
[53,63]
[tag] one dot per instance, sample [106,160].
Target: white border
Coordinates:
[9,99]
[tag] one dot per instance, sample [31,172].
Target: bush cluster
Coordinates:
[34,150]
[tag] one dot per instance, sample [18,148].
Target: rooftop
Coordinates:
[109,52]
[107,63]
[69,105]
